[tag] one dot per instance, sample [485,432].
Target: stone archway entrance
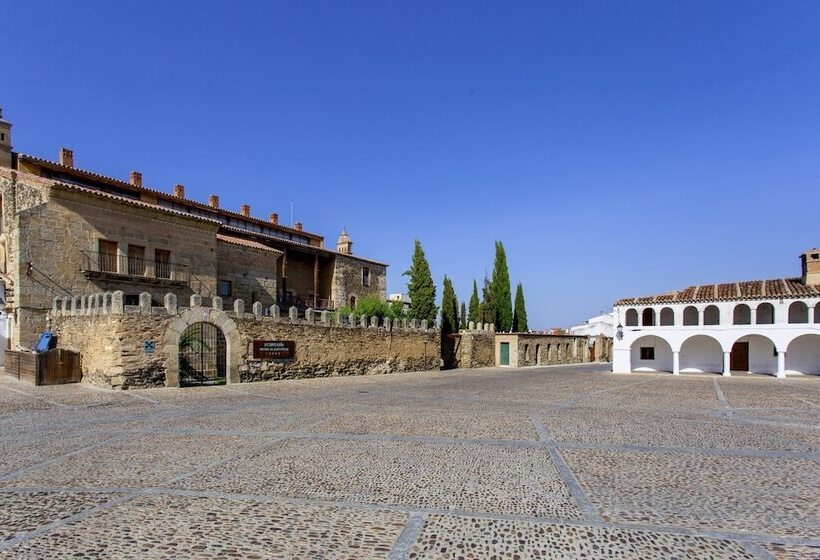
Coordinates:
[202,356]
[225,336]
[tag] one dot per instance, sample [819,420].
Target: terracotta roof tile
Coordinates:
[245,243]
[755,289]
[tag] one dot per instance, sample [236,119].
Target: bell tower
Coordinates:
[5,141]
[344,245]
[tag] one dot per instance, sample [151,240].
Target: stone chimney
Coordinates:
[213,201]
[811,267]
[297,226]
[245,210]
[5,141]
[179,191]
[66,157]
[135,178]
[273,218]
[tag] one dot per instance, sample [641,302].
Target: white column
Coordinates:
[753,316]
[700,317]
[811,314]
[781,364]
[727,360]
[675,363]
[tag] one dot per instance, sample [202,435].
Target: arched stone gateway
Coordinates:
[202,356]
[224,326]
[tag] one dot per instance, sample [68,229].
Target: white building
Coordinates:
[403,298]
[601,325]
[763,326]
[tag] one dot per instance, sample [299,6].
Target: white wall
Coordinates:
[663,355]
[761,354]
[701,354]
[803,354]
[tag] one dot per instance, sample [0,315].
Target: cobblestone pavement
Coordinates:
[557,462]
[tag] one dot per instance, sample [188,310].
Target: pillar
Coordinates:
[727,360]
[781,364]
[675,363]
[812,318]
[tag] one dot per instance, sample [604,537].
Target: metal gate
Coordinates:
[202,356]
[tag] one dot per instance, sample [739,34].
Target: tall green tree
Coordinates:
[520,311]
[420,287]
[488,303]
[501,290]
[475,305]
[449,308]
[462,316]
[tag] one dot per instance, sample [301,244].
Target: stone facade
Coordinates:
[475,349]
[355,278]
[541,349]
[113,339]
[251,272]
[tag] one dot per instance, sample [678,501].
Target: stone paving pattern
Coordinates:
[556,462]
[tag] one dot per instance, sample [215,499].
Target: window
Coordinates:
[365,276]
[163,263]
[136,260]
[225,288]
[107,255]
[647,352]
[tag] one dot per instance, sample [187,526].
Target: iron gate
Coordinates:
[202,356]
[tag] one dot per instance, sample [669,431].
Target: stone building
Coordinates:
[65,230]
[525,349]
[759,326]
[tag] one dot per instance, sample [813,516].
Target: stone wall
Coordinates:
[541,349]
[112,338]
[347,280]
[251,272]
[475,349]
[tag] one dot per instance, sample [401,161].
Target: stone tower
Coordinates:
[811,267]
[5,141]
[344,245]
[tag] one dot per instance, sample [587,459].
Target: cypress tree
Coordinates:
[520,311]
[475,305]
[463,316]
[501,290]
[488,303]
[420,288]
[449,308]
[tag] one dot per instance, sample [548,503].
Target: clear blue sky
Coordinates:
[616,148]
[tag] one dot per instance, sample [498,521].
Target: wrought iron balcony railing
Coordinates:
[134,267]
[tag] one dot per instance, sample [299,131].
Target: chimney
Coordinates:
[179,191]
[273,218]
[811,268]
[66,157]
[297,226]
[135,178]
[245,210]
[213,201]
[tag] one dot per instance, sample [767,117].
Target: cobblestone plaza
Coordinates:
[557,462]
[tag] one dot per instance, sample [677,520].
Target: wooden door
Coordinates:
[505,354]
[739,358]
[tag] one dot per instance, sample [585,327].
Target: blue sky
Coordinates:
[616,148]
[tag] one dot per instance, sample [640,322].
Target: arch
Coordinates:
[648,317]
[711,315]
[526,354]
[803,354]
[760,352]
[650,353]
[202,355]
[798,312]
[742,315]
[631,318]
[702,354]
[765,313]
[690,316]
[817,313]
[538,354]
[667,317]
[233,349]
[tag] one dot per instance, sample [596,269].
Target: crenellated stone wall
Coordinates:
[114,340]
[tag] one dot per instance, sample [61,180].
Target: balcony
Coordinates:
[124,268]
[285,301]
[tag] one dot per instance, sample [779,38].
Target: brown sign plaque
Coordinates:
[274,350]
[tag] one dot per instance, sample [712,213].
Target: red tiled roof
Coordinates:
[245,243]
[756,289]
